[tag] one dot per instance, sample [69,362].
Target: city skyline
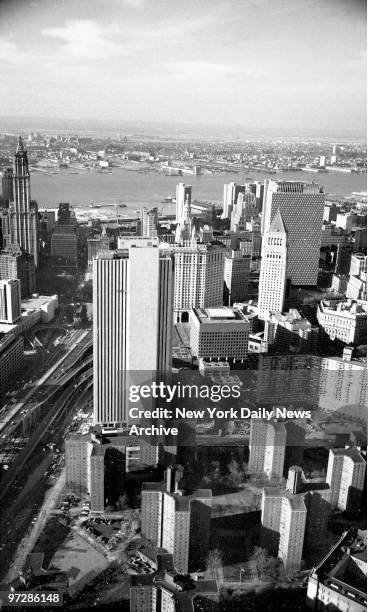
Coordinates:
[219,63]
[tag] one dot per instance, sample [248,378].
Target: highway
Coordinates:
[25,485]
[40,389]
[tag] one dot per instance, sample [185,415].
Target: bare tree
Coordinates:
[261,560]
[214,568]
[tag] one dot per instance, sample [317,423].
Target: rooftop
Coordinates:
[351,452]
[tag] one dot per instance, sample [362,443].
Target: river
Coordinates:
[138,189]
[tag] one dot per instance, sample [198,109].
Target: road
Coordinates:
[77,343]
[23,496]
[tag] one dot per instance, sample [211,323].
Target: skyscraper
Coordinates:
[231,193]
[236,275]
[301,206]
[132,322]
[15,263]
[272,281]
[23,212]
[243,210]
[10,308]
[149,222]
[183,195]
[199,277]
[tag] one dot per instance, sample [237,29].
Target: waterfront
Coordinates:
[138,189]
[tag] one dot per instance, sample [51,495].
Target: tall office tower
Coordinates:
[283,520]
[258,189]
[243,211]
[66,215]
[10,307]
[132,324]
[231,193]
[199,278]
[177,522]
[23,212]
[97,245]
[267,448]
[346,474]
[236,275]
[15,263]
[149,222]
[272,281]
[7,187]
[183,195]
[301,206]
[185,233]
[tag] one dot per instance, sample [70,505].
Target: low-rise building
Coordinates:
[219,333]
[290,332]
[343,320]
[339,581]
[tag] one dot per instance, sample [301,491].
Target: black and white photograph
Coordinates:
[183,305]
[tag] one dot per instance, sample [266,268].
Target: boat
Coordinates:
[167,200]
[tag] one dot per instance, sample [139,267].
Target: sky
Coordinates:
[252,63]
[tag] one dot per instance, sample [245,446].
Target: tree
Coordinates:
[235,476]
[214,569]
[260,560]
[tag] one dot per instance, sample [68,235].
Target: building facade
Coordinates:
[23,212]
[132,323]
[183,196]
[346,474]
[301,206]
[343,320]
[236,275]
[199,278]
[10,305]
[272,281]
[219,333]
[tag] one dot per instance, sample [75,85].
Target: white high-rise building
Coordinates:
[345,475]
[272,282]
[10,306]
[283,520]
[199,277]
[267,448]
[183,197]
[175,521]
[231,193]
[274,455]
[149,222]
[243,210]
[132,325]
[292,527]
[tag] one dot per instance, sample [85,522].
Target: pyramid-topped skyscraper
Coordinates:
[272,281]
